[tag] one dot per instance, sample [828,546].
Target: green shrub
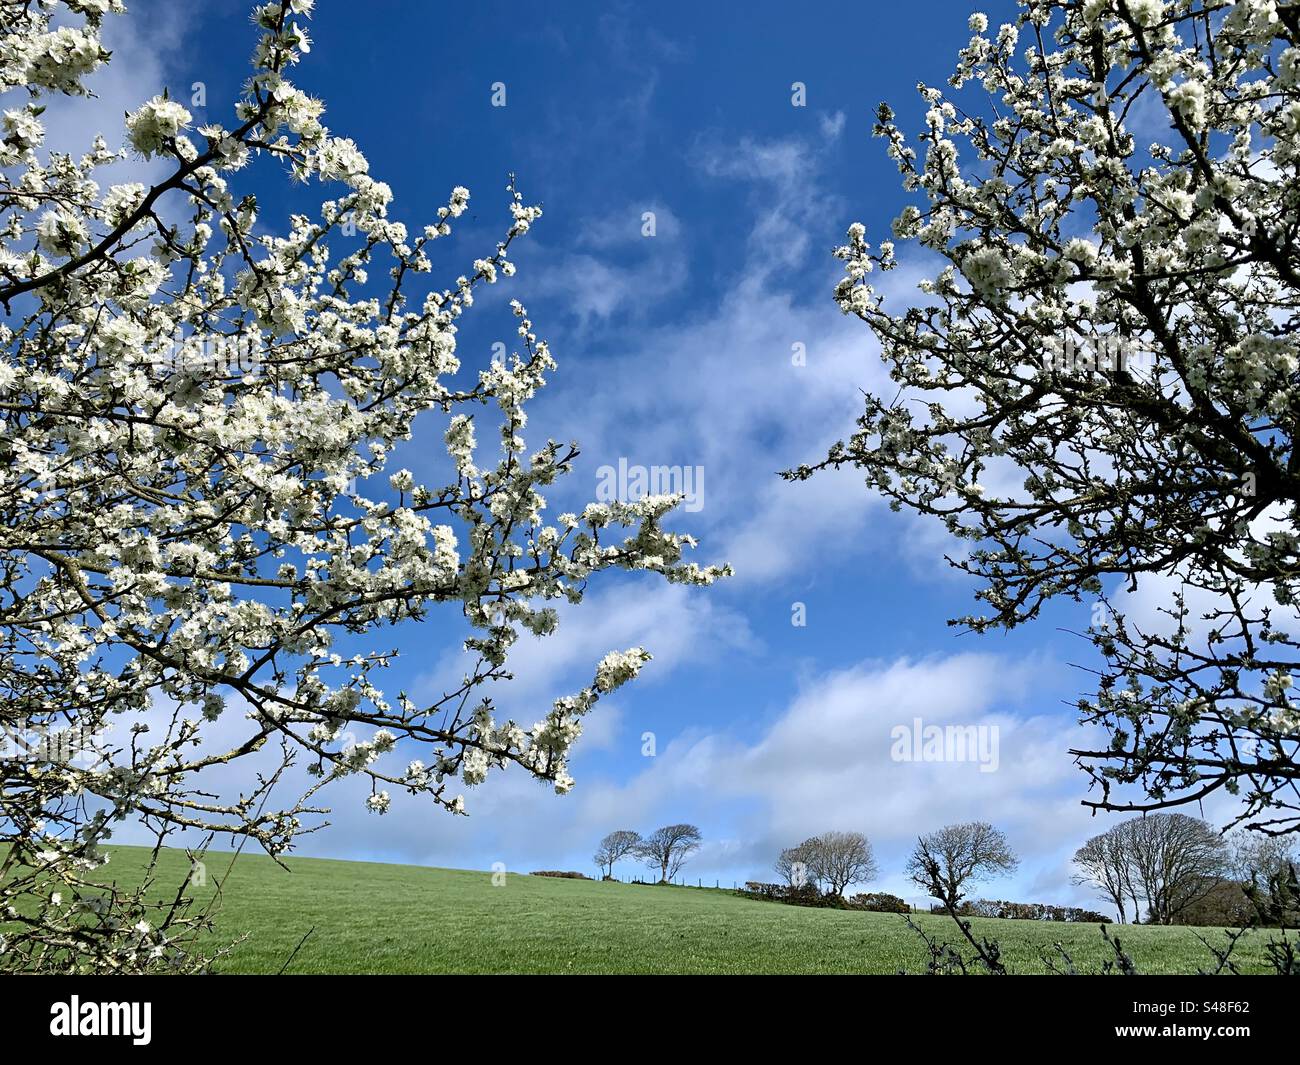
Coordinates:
[803,895]
[879,902]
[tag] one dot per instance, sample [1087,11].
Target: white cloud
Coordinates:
[611,269]
[627,226]
[678,625]
[832,125]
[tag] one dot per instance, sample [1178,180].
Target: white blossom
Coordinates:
[149,128]
[211,551]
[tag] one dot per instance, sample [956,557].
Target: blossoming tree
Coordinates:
[187,538]
[1098,386]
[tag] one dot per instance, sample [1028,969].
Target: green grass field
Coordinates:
[373,918]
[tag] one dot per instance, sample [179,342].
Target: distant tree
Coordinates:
[1258,857]
[1176,860]
[1103,862]
[668,848]
[795,864]
[1265,867]
[839,859]
[615,846]
[942,863]
[1170,862]
[945,861]
[1276,902]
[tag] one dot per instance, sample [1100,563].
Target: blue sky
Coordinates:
[676,349]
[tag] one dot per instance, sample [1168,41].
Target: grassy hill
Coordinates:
[373,918]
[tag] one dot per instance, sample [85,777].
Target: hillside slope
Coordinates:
[374,918]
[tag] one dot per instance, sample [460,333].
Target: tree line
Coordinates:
[1155,869]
